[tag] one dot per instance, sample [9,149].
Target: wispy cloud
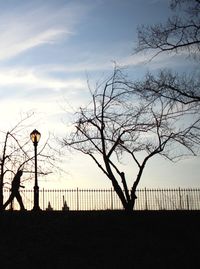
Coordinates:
[10,48]
[147,60]
[28,77]
[30,26]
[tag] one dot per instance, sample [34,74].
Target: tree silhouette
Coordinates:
[180,35]
[119,127]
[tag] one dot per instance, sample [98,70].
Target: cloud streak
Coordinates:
[29,81]
[10,49]
[29,27]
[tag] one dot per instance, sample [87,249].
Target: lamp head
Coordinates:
[35,136]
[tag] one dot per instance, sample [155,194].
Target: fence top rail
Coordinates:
[111,189]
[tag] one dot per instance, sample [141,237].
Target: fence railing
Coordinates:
[107,199]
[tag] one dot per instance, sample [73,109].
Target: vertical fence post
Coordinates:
[145,195]
[111,191]
[77,200]
[180,200]
[43,197]
[188,207]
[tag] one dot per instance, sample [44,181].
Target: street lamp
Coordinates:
[35,137]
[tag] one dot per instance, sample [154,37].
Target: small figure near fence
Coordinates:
[15,191]
[49,208]
[65,206]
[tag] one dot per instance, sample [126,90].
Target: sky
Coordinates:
[48,51]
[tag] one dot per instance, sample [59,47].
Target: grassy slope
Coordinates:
[100,239]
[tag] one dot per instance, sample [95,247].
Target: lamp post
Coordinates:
[35,137]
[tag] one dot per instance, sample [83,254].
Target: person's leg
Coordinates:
[19,199]
[10,199]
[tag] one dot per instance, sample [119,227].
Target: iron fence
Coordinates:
[107,199]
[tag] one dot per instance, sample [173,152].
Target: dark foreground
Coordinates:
[159,239]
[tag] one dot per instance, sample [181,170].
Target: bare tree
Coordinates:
[180,35]
[17,153]
[117,128]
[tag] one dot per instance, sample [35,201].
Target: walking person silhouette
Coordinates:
[15,191]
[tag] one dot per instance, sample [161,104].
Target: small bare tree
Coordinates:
[17,153]
[118,127]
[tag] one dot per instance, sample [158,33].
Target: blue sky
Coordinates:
[48,49]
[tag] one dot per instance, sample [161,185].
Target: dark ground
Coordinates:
[100,239]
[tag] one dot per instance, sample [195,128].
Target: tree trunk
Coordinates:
[130,206]
[131,203]
[1,196]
